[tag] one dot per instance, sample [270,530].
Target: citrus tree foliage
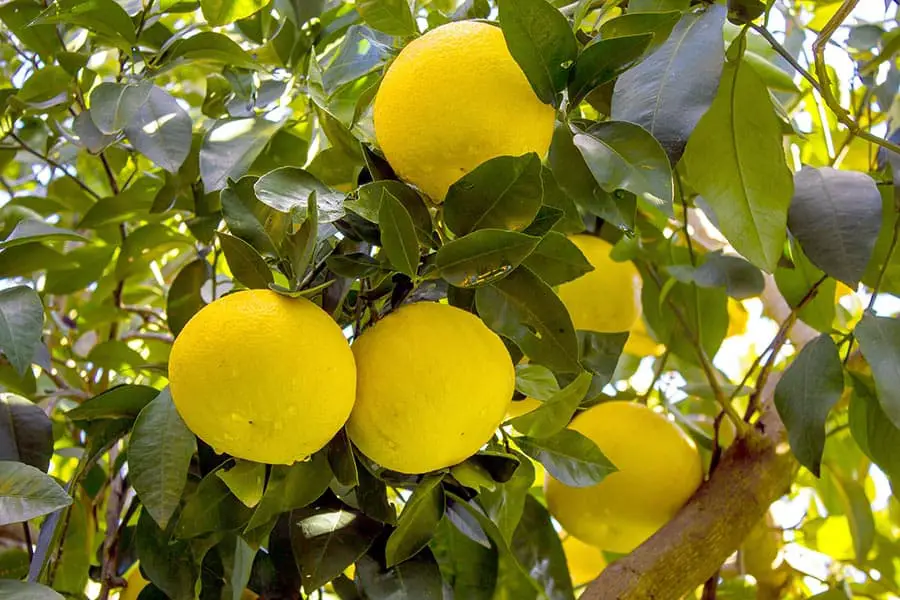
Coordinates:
[155,155]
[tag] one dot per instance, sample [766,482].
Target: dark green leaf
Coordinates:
[231,146]
[398,235]
[145,244]
[600,354]
[24,590]
[750,188]
[46,88]
[624,156]
[390,16]
[524,309]
[289,190]
[557,260]
[104,17]
[805,395]
[161,130]
[501,193]
[836,217]
[184,299]
[212,507]
[877,437]
[21,320]
[169,564]
[659,24]
[556,412]
[28,230]
[537,547]
[134,201]
[245,263]
[115,105]
[569,456]
[327,539]
[483,256]
[355,266]
[224,12]
[541,42]
[706,312]
[26,433]
[246,480]
[536,381]
[468,568]
[18,16]
[292,487]
[300,246]
[417,522]
[371,494]
[859,515]
[879,340]
[115,355]
[159,455]
[670,90]
[418,577]
[210,47]
[245,216]
[739,278]
[89,136]
[26,493]
[602,61]
[794,284]
[341,459]
[368,203]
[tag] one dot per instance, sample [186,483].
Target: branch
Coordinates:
[53,164]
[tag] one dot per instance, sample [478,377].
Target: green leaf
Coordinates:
[468,568]
[289,190]
[223,12]
[292,487]
[115,355]
[706,312]
[230,147]
[328,539]
[368,203]
[46,88]
[670,90]
[161,130]
[393,17]
[418,577]
[245,480]
[18,16]
[877,437]
[104,17]
[168,563]
[184,299]
[300,246]
[398,235]
[145,244]
[115,105]
[483,256]
[602,61]
[210,47]
[536,381]
[355,265]
[750,188]
[569,456]
[739,278]
[371,494]
[25,590]
[27,231]
[502,193]
[417,522]
[600,353]
[26,433]
[624,156]
[879,340]
[557,260]
[89,136]
[245,263]
[159,454]
[341,459]
[859,515]
[805,395]
[836,217]
[554,197]
[658,24]
[212,507]
[556,412]
[134,201]
[26,493]
[537,547]
[795,283]
[120,402]
[524,309]
[245,214]
[21,321]
[541,42]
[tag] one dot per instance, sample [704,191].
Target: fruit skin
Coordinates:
[607,299]
[659,469]
[453,99]
[737,318]
[135,583]
[640,343]
[586,562]
[254,366]
[434,383]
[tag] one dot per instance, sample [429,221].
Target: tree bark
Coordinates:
[754,472]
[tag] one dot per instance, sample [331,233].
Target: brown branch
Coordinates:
[53,164]
[114,502]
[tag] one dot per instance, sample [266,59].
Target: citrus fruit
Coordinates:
[433,384]
[255,366]
[658,470]
[607,299]
[738,317]
[640,343]
[453,99]
[134,583]
[585,561]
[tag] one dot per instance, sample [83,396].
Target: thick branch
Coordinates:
[754,472]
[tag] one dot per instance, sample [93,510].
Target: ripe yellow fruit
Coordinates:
[453,99]
[433,385]
[659,469]
[586,562]
[607,299]
[135,582]
[640,343]
[255,366]
[738,317]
